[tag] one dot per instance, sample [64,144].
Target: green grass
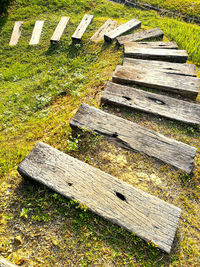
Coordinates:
[41,87]
[185,7]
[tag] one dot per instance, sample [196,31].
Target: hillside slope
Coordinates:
[41,88]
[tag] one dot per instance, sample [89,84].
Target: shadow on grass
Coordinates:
[189,130]
[71,50]
[3,20]
[4,7]
[107,45]
[44,208]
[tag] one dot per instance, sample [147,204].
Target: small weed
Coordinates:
[72,143]
[24,213]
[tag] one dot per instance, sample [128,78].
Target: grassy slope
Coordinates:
[185,7]
[41,88]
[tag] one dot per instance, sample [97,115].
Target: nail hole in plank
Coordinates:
[115,135]
[126,97]
[120,196]
[159,102]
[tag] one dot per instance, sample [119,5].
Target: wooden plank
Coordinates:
[155,33]
[135,137]
[166,67]
[170,55]
[130,25]
[128,47]
[135,210]
[35,38]
[82,27]
[59,30]
[183,85]
[16,33]
[164,106]
[5,263]
[108,26]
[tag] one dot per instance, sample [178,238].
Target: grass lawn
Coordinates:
[41,88]
[186,7]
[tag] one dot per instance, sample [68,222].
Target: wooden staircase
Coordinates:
[157,65]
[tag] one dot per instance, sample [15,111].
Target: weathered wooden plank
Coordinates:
[155,33]
[130,25]
[135,210]
[170,55]
[82,27]
[165,106]
[135,137]
[108,26]
[183,85]
[166,67]
[128,47]
[35,38]
[59,30]
[5,263]
[16,33]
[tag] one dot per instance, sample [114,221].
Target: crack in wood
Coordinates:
[159,102]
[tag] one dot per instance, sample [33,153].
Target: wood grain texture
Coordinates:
[35,38]
[164,106]
[59,30]
[135,210]
[5,263]
[170,55]
[130,25]
[16,33]
[82,27]
[155,33]
[108,26]
[183,85]
[128,47]
[135,137]
[166,67]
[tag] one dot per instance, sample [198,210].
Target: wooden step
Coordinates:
[170,55]
[166,67]
[59,30]
[16,33]
[128,47]
[183,85]
[35,38]
[155,33]
[108,26]
[164,106]
[82,27]
[130,25]
[135,137]
[135,210]
[5,263]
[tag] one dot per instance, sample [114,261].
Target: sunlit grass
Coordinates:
[185,7]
